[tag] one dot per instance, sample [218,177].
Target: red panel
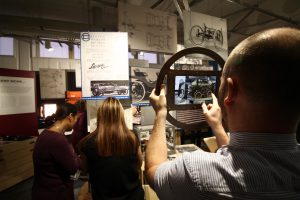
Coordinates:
[19,124]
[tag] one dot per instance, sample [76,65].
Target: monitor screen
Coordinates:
[194,89]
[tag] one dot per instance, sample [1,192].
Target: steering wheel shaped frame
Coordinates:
[170,74]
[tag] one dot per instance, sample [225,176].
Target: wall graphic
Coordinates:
[205,31]
[148,29]
[52,83]
[104,64]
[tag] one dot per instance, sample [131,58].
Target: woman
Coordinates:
[113,155]
[80,127]
[54,158]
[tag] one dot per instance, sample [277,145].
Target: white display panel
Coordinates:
[17,95]
[205,31]
[148,29]
[104,65]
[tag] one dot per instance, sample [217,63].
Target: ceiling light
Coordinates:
[48,45]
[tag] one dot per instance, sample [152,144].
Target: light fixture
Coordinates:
[48,45]
[141,53]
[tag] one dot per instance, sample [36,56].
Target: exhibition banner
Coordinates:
[148,29]
[104,65]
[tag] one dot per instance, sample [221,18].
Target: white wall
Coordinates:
[23,59]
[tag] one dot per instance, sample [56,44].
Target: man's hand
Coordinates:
[213,116]
[159,103]
[212,113]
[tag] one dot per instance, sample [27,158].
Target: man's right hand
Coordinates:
[212,113]
[159,103]
[213,116]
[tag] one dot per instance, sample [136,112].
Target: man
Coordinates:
[260,99]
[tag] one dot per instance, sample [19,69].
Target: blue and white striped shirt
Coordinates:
[252,166]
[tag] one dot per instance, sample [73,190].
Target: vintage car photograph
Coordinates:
[194,89]
[143,81]
[103,88]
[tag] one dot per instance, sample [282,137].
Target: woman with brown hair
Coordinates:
[112,155]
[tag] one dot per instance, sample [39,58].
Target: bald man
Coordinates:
[259,97]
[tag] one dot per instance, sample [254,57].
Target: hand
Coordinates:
[159,103]
[212,113]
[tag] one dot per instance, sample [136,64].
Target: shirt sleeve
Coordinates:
[171,180]
[64,155]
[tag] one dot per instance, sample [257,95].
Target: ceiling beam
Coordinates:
[234,13]
[194,2]
[256,8]
[243,18]
[156,4]
[258,24]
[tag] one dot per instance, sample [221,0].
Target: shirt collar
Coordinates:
[270,141]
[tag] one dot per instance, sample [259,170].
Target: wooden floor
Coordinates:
[22,191]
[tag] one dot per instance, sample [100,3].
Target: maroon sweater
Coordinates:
[54,161]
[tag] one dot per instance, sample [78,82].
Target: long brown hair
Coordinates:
[113,136]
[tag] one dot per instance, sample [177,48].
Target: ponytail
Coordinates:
[50,120]
[62,112]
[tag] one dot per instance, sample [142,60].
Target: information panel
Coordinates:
[17,95]
[104,65]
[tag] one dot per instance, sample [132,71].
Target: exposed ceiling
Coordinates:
[64,19]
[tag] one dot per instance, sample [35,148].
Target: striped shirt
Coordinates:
[253,166]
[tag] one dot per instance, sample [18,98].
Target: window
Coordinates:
[6,46]
[76,51]
[49,109]
[151,57]
[130,55]
[54,49]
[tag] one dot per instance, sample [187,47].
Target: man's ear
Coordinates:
[231,91]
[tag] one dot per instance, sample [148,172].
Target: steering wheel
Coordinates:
[188,115]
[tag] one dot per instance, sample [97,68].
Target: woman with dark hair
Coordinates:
[112,156]
[80,127]
[54,158]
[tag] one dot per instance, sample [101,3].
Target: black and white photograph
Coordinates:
[194,89]
[109,88]
[143,81]
[170,136]
[144,135]
[136,114]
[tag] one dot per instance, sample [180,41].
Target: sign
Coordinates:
[104,65]
[17,95]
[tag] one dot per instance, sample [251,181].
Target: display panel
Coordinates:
[194,89]
[104,65]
